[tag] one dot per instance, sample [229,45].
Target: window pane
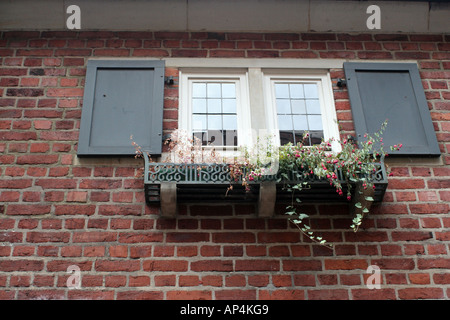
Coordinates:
[298,106]
[228,90]
[215,138]
[199,122]
[299,137]
[296,91]
[316,137]
[199,105]
[202,136]
[313,106]
[214,106]
[286,137]
[281,90]
[285,122]
[283,106]
[229,122]
[311,90]
[230,138]
[229,106]
[300,122]
[213,90]
[214,122]
[315,122]
[199,90]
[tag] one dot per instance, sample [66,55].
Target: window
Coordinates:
[299,103]
[214,107]
[231,107]
[393,91]
[122,98]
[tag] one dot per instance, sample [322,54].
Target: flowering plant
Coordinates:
[355,163]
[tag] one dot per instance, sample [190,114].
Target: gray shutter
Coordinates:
[122,98]
[393,91]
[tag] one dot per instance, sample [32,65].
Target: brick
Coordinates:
[40,237]
[21,265]
[394,263]
[189,53]
[429,208]
[94,236]
[165,265]
[282,294]
[421,293]
[133,237]
[368,294]
[77,196]
[328,294]
[118,251]
[28,209]
[301,265]
[65,92]
[140,295]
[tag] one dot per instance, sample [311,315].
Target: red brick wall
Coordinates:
[56,211]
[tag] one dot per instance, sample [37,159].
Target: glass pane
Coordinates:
[230,138]
[199,90]
[199,122]
[199,105]
[202,136]
[281,90]
[213,90]
[229,122]
[296,90]
[300,122]
[316,137]
[315,122]
[214,122]
[283,106]
[214,106]
[286,137]
[298,106]
[215,138]
[313,106]
[229,106]
[285,122]
[228,90]
[311,90]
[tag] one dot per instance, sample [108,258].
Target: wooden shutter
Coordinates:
[122,98]
[393,91]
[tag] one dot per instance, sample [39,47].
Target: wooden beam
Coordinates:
[168,198]
[267,197]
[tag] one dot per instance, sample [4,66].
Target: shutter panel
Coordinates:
[393,91]
[122,98]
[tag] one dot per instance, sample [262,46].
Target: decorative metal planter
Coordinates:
[167,184]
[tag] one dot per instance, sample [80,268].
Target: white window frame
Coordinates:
[239,77]
[256,108]
[325,91]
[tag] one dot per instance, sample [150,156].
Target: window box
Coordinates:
[169,183]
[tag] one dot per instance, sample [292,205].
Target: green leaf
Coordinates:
[369,198]
[358,205]
[365,210]
[302,216]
